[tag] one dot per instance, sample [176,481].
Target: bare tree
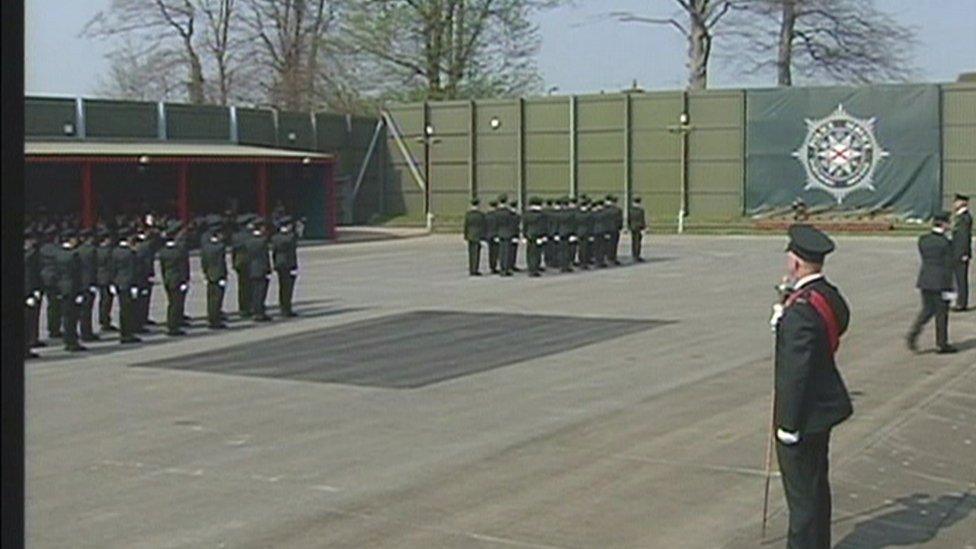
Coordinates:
[702,18]
[444,49]
[153,75]
[220,41]
[847,41]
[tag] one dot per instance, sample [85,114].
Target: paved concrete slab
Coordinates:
[649,438]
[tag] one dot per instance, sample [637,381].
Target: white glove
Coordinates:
[540,241]
[221,282]
[293,272]
[79,299]
[515,240]
[777,314]
[573,239]
[950,296]
[31,301]
[93,290]
[145,291]
[37,295]
[134,292]
[183,287]
[556,238]
[113,290]
[787,437]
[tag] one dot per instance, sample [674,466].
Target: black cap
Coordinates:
[535,201]
[962,197]
[637,199]
[475,202]
[493,203]
[809,243]
[941,217]
[502,198]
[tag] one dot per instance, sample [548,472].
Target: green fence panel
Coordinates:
[197,122]
[295,131]
[50,117]
[120,119]
[256,127]
[959,141]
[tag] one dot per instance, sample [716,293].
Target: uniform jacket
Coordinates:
[635,219]
[125,268]
[552,221]
[213,260]
[583,221]
[69,273]
[535,223]
[48,260]
[89,264]
[238,247]
[810,394]
[962,236]
[170,264]
[491,224]
[284,247]
[258,260]
[508,223]
[104,270]
[32,270]
[146,254]
[567,223]
[616,218]
[937,262]
[474,225]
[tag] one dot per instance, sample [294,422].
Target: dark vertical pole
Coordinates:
[183,192]
[262,189]
[331,213]
[87,196]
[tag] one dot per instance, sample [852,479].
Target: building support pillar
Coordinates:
[87,196]
[263,189]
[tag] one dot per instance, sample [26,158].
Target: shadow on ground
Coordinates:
[914,519]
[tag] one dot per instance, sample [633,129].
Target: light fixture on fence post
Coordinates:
[682,129]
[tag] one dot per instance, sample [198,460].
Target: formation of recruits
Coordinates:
[560,234]
[71,268]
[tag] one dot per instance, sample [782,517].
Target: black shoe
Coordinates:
[131,339]
[912,344]
[142,331]
[38,344]
[506,274]
[90,338]
[109,328]
[55,335]
[262,318]
[290,314]
[958,309]
[150,322]
[75,348]
[516,269]
[187,318]
[174,333]
[535,274]
[947,350]
[494,271]
[616,262]
[218,326]
[639,260]
[31,354]
[542,269]
[186,324]
[476,273]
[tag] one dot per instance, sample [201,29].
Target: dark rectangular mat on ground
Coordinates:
[408,350]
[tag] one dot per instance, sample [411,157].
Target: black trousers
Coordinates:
[493,247]
[505,255]
[175,305]
[805,473]
[286,288]
[147,301]
[85,311]
[69,321]
[513,254]
[32,319]
[585,251]
[53,312]
[612,246]
[551,252]
[104,306]
[474,256]
[141,308]
[259,292]
[635,244]
[244,294]
[565,261]
[128,321]
[962,284]
[932,306]
[215,303]
[601,248]
[533,256]
[573,251]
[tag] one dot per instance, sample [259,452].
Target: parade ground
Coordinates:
[413,406]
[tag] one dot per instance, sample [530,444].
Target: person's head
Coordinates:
[960,201]
[475,203]
[637,200]
[806,252]
[941,220]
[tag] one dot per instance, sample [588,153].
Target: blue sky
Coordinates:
[581,50]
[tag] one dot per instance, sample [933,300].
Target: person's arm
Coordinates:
[795,359]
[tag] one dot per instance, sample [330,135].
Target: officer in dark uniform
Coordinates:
[32,291]
[935,283]
[239,260]
[962,248]
[89,272]
[213,261]
[146,254]
[49,279]
[258,269]
[566,231]
[810,396]
[550,249]
[70,290]
[535,227]
[491,235]
[127,272]
[284,247]
[584,232]
[516,220]
[474,233]
[616,225]
[174,281]
[183,236]
[507,234]
[104,275]
[601,232]
[636,224]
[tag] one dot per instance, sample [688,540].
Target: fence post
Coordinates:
[573,183]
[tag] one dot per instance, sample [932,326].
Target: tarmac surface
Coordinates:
[412,406]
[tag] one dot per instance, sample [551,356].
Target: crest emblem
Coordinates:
[840,154]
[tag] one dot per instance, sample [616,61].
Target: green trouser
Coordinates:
[286,287]
[85,310]
[128,322]
[175,299]
[505,253]
[243,293]
[69,321]
[584,251]
[635,244]
[53,312]
[259,291]
[533,256]
[565,261]
[474,256]
[104,306]
[573,251]
[32,317]
[612,245]
[215,302]
[493,246]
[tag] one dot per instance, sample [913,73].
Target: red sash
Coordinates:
[824,310]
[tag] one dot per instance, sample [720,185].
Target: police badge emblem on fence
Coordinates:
[840,154]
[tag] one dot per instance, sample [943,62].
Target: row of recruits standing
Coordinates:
[560,234]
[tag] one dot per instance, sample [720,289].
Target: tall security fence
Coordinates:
[717,155]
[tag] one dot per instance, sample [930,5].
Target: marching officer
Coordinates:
[584,232]
[258,269]
[32,291]
[89,273]
[550,250]
[146,254]
[491,235]
[535,227]
[104,274]
[239,260]
[516,220]
[70,290]
[507,235]
[174,280]
[616,225]
[49,279]
[574,219]
[636,224]
[962,247]
[601,233]
[183,236]
[126,270]
[213,260]
[810,396]
[935,284]
[284,246]
[566,230]
[474,233]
